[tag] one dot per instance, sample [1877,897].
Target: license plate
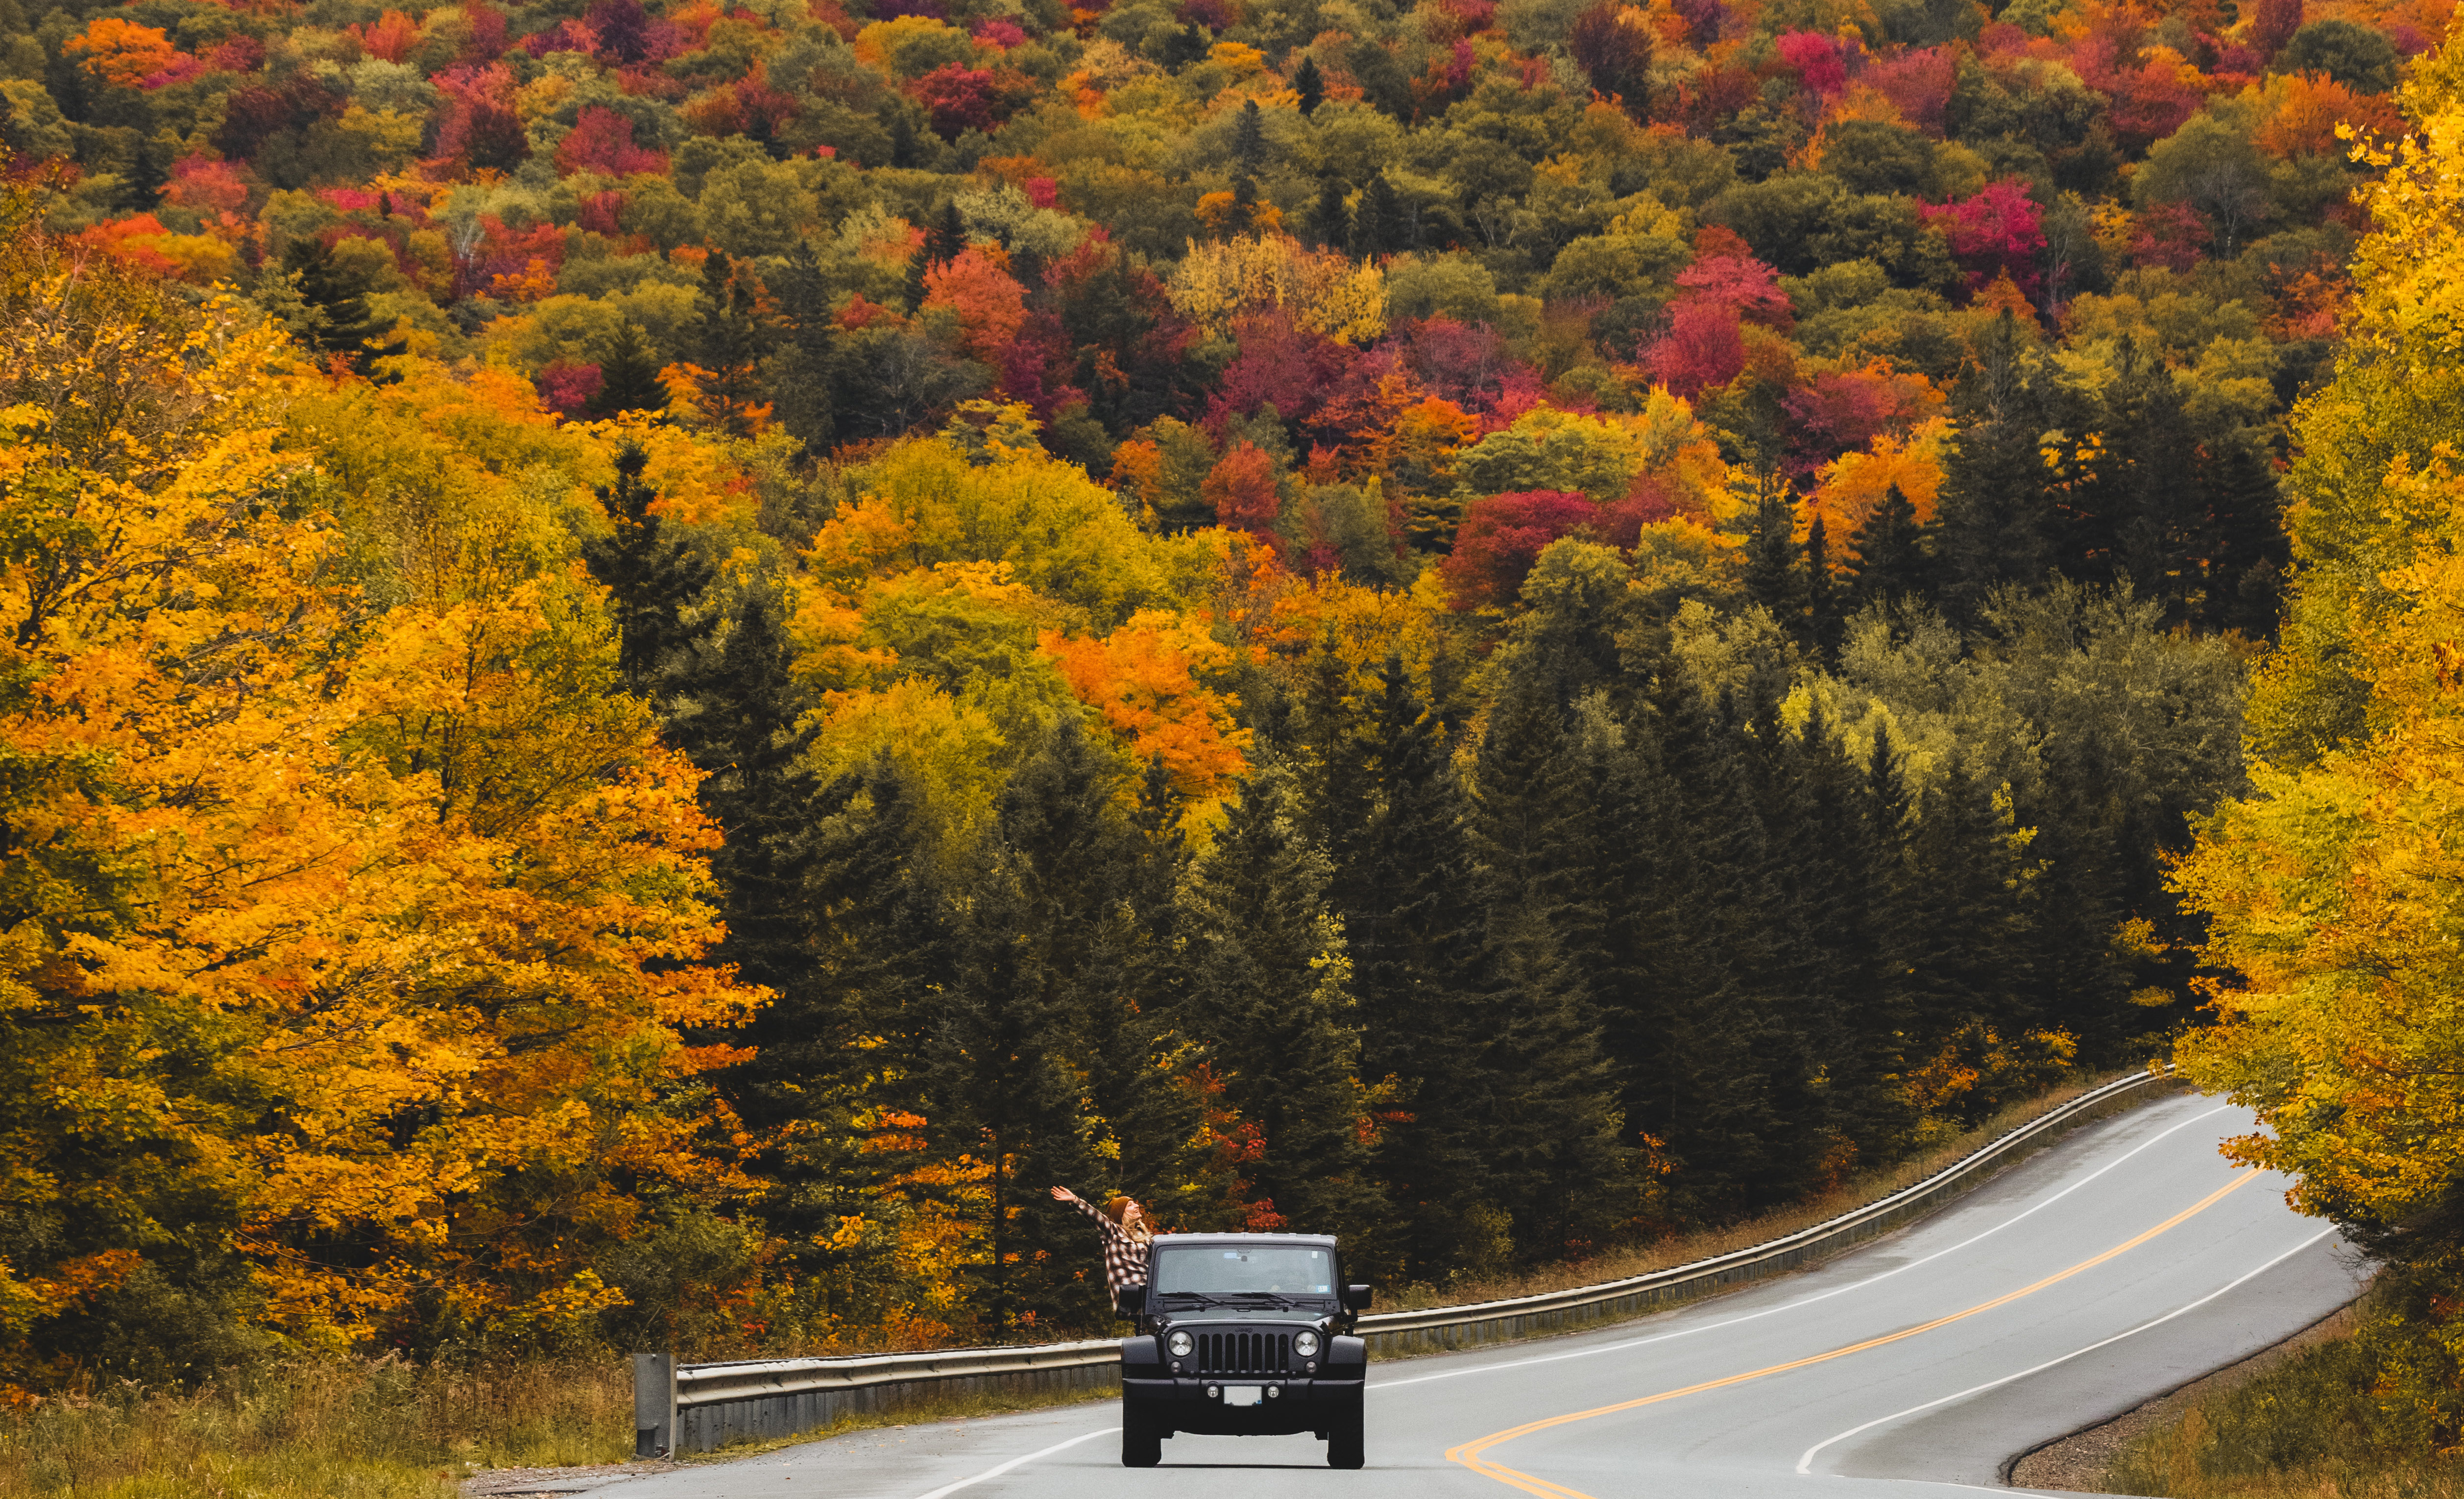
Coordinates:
[1243,1394]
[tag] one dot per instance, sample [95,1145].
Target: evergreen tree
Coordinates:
[336,297]
[729,344]
[1330,220]
[1892,561]
[1032,1007]
[1245,203]
[902,141]
[1183,47]
[1250,139]
[2243,508]
[652,581]
[1404,885]
[1311,85]
[1823,611]
[2148,488]
[1269,993]
[800,380]
[1995,509]
[629,379]
[1545,1109]
[832,1055]
[1969,943]
[1772,578]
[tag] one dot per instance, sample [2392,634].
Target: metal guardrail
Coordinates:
[698,1407]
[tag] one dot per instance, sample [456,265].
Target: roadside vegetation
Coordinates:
[2324,1425]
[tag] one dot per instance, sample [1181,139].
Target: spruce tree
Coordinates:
[1330,220]
[1269,992]
[2149,487]
[1772,578]
[1892,561]
[801,383]
[2243,510]
[729,345]
[337,296]
[1032,1005]
[652,581]
[1404,883]
[628,378]
[1311,85]
[1995,511]
[1250,139]
[1824,614]
[1971,969]
[1546,1105]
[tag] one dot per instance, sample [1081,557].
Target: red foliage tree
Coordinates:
[1919,82]
[602,142]
[1241,489]
[1994,234]
[961,98]
[1815,60]
[478,129]
[1282,362]
[2273,26]
[1703,347]
[1502,537]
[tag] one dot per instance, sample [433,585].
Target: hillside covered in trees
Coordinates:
[660,660]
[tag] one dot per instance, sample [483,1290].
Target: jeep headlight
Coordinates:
[1180,1343]
[1304,1344]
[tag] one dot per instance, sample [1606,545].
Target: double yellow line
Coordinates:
[1471,1453]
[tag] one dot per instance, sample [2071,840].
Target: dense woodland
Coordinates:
[659,661]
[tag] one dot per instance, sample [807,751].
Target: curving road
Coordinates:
[2120,1264]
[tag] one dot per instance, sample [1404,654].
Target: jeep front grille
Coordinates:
[1244,1353]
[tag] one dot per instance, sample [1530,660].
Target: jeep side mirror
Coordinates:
[1357,1297]
[1133,1300]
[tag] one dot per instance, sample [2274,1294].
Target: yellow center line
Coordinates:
[1469,1454]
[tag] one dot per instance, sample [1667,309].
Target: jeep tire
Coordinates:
[1346,1445]
[1141,1438]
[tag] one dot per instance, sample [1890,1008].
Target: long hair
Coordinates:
[1118,1209]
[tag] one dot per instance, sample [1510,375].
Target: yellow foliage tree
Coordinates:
[1326,292]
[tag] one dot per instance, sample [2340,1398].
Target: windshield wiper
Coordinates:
[1226,1299]
[1282,1301]
[1200,1298]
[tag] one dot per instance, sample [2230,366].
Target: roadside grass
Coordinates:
[347,1429]
[319,1430]
[1685,1249]
[2309,1428]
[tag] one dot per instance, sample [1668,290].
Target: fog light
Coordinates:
[1311,1366]
[1212,1393]
[1176,1366]
[1274,1390]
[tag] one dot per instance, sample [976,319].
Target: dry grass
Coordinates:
[1685,1248]
[2309,1428]
[320,1430]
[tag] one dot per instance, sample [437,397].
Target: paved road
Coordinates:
[2117,1265]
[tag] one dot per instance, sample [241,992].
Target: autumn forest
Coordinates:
[661,657]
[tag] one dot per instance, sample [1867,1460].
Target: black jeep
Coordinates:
[1249,1337]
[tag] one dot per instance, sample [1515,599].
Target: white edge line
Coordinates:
[1713,1327]
[947,1490]
[1805,1463]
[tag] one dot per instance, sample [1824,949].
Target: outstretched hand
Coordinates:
[1063,1194]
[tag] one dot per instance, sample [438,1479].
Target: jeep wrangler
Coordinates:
[1246,1335]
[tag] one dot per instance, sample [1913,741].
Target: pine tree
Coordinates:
[1269,993]
[800,381]
[337,296]
[1404,885]
[1245,203]
[1892,561]
[1311,85]
[629,379]
[1034,996]
[2243,507]
[2148,487]
[902,141]
[1545,1109]
[1772,578]
[1824,614]
[729,344]
[1330,220]
[1995,511]
[651,581]
[1250,139]
[1970,942]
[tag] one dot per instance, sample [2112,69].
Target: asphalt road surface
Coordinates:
[2120,1264]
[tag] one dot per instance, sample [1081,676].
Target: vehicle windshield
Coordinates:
[1241,1270]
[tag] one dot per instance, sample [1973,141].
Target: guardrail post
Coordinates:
[654,1404]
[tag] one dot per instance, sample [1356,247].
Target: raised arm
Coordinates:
[1111,1229]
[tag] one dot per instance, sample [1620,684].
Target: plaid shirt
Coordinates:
[1125,1259]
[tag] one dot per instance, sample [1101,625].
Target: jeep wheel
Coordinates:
[1346,1447]
[1141,1439]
